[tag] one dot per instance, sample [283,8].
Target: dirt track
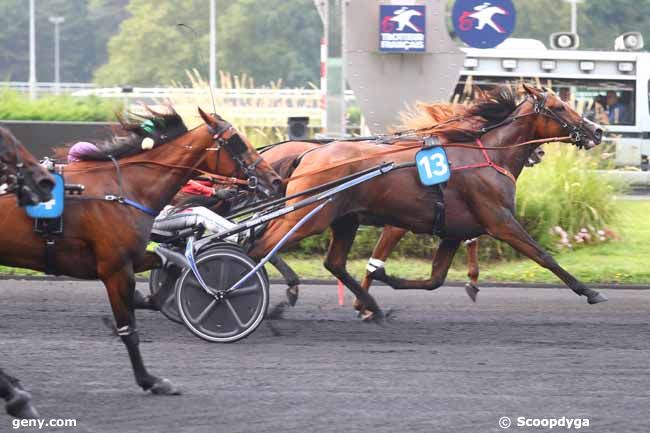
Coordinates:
[441,364]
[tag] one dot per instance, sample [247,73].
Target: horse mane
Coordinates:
[128,135]
[459,122]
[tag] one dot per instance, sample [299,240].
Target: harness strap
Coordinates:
[488,163]
[50,256]
[118,172]
[129,202]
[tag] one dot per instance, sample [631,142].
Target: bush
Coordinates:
[563,191]
[17,106]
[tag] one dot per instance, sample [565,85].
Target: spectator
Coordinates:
[616,110]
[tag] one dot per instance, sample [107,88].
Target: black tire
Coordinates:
[237,315]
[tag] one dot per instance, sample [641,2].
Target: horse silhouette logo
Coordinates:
[483,24]
[402,28]
[403,17]
[485,16]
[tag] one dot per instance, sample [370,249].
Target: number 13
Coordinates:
[438,161]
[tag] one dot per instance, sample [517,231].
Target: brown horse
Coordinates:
[284,158]
[106,230]
[479,199]
[32,184]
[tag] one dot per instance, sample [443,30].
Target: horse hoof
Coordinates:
[596,298]
[21,406]
[372,316]
[472,291]
[292,295]
[164,387]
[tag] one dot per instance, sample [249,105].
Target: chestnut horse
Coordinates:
[285,156]
[479,199]
[106,230]
[32,184]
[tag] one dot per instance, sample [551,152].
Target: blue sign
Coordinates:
[433,166]
[402,29]
[52,208]
[484,24]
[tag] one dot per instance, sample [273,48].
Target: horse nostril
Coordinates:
[598,135]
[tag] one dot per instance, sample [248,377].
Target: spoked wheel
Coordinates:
[162,285]
[223,316]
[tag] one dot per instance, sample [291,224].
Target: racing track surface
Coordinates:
[441,364]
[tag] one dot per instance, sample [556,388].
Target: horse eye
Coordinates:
[560,108]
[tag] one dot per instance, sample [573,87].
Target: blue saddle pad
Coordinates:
[52,208]
[433,166]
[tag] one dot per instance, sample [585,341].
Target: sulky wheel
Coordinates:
[162,285]
[222,316]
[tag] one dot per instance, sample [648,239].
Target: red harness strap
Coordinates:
[488,163]
[197,187]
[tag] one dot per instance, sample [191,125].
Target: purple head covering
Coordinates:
[79,149]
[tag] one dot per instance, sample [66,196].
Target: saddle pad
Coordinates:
[433,166]
[52,208]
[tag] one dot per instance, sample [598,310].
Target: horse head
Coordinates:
[241,156]
[556,118]
[24,176]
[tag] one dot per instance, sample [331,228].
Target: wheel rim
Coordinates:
[238,313]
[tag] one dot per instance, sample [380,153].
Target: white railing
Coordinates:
[24,86]
[261,106]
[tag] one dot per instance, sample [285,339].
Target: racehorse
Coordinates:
[31,184]
[285,156]
[479,197]
[106,230]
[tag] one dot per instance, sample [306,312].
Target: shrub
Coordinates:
[17,106]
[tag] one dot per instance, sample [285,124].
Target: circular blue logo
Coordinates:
[484,24]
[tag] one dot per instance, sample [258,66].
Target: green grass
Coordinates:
[622,261]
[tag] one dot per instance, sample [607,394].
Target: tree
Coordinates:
[266,39]
[150,48]
[81,36]
[271,39]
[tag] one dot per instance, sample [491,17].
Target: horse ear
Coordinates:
[530,89]
[209,120]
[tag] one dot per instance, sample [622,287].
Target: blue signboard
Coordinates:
[402,29]
[484,24]
[433,166]
[52,208]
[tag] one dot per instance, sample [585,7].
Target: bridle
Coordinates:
[577,133]
[228,137]
[15,182]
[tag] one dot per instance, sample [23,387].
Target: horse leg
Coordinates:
[472,268]
[509,230]
[343,233]
[439,268]
[121,286]
[291,278]
[389,238]
[18,401]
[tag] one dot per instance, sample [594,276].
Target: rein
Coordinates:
[576,135]
[420,142]
[217,136]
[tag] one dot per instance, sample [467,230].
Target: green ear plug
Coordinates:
[148,126]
